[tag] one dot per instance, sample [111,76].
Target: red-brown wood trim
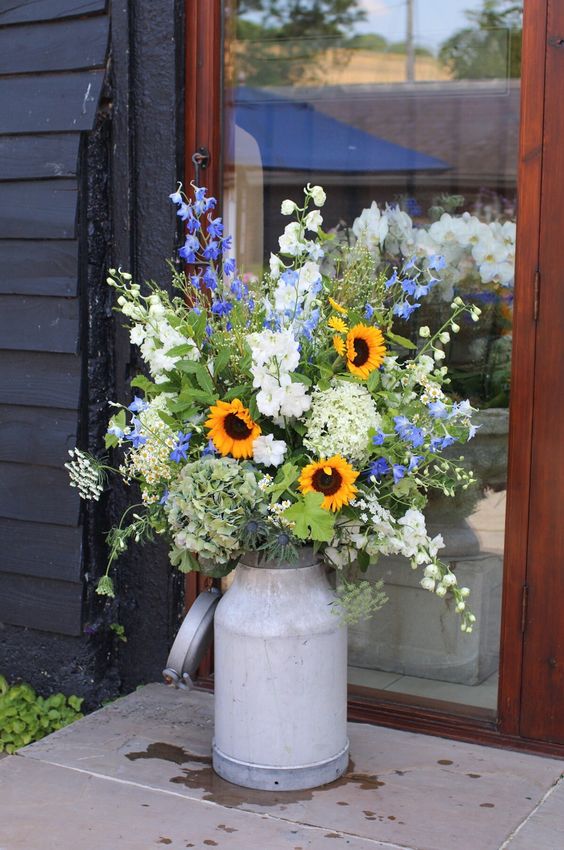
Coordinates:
[203,92]
[204,89]
[523,361]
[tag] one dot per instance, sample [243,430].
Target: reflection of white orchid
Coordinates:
[468,245]
[371,228]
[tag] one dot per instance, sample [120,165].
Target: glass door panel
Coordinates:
[408,115]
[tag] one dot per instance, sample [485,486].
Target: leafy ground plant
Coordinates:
[26,717]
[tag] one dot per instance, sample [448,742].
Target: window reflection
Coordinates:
[408,114]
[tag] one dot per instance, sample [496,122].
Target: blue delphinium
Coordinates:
[180,449]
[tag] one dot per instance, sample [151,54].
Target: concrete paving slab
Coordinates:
[408,790]
[43,807]
[544,829]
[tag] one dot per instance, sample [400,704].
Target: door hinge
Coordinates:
[524,602]
[536,295]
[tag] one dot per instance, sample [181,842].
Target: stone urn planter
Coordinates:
[280,659]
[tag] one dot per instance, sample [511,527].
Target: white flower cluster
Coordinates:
[85,475]
[275,355]
[152,459]
[155,336]
[382,534]
[467,244]
[465,241]
[339,421]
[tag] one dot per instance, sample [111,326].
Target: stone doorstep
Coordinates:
[137,774]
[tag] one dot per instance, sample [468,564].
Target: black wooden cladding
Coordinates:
[52,66]
[53,606]
[33,323]
[18,11]
[36,435]
[49,102]
[37,549]
[28,156]
[57,46]
[40,379]
[38,268]
[45,209]
[37,494]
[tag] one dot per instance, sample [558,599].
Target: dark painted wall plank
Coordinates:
[32,323]
[36,549]
[16,11]
[54,47]
[28,157]
[39,379]
[37,435]
[37,494]
[52,606]
[50,102]
[45,209]
[38,268]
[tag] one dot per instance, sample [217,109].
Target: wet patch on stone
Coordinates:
[167,752]
[487,806]
[474,775]
[445,761]
[225,828]
[164,840]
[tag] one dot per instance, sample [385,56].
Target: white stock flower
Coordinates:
[296,401]
[290,242]
[268,451]
[276,266]
[313,221]
[318,195]
[269,399]
[287,207]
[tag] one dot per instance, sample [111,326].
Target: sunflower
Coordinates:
[334,478]
[365,350]
[338,325]
[339,345]
[232,429]
[337,306]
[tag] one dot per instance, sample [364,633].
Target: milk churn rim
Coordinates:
[193,639]
[306,558]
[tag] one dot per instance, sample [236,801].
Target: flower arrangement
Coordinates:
[286,411]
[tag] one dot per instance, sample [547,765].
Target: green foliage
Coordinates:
[490,47]
[312,521]
[26,717]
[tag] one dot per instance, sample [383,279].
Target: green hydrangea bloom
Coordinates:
[207,506]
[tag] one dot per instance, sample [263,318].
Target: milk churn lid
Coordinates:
[192,640]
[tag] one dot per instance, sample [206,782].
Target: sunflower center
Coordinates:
[236,428]
[361,351]
[327,482]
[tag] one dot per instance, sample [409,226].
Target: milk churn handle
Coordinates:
[192,640]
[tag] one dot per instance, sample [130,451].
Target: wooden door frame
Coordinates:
[204,45]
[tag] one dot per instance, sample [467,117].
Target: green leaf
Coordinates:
[285,477]
[204,379]
[201,396]
[75,702]
[312,522]
[167,419]
[363,560]
[253,409]
[180,350]
[221,361]
[188,366]
[401,340]
[297,378]
[143,383]
[373,380]
[239,392]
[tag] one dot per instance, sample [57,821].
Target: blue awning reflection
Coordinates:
[293,135]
